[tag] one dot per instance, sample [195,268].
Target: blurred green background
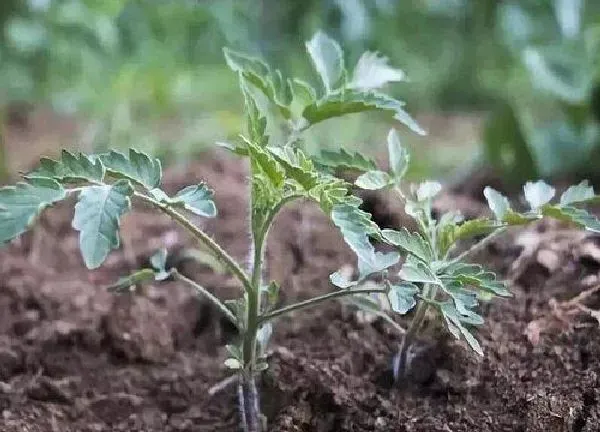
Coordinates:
[514,85]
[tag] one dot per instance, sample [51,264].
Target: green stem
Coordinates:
[202,237]
[316,300]
[200,290]
[478,246]
[4,170]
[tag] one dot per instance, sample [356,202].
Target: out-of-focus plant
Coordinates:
[547,123]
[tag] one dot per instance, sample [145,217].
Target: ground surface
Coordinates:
[75,358]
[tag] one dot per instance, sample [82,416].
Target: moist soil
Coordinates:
[74,357]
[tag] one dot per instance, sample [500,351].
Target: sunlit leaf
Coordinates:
[328,59]
[574,215]
[373,180]
[415,270]
[413,243]
[197,199]
[97,216]
[356,227]
[497,202]
[428,190]
[136,166]
[342,159]
[402,297]
[398,155]
[537,194]
[70,168]
[577,194]
[373,71]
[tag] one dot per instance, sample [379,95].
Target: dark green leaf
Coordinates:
[296,166]
[136,166]
[97,216]
[328,59]
[21,204]
[125,284]
[413,243]
[70,168]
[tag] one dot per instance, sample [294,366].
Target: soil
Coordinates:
[75,358]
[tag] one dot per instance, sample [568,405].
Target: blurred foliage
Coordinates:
[151,73]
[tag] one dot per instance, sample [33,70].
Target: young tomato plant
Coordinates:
[280,172]
[433,276]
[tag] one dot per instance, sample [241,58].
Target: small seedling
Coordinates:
[433,276]
[280,172]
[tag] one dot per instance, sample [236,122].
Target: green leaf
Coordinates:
[328,59]
[475,276]
[338,104]
[398,155]
[356,227]
[451,233]
[125,284]
[415,270]
[342,159]
[373,180]
[136,166]
[296,166]
[70,168]
[373,71]
[302,92]
[402,297]
[381,262]
[97,216]
[497,202]
[413,243]
[159,263]
[577,194]
[538,194]
[21,204]
[197,199]
[256,121]
[454,323]
[574,215]
[341,281]
[428,190]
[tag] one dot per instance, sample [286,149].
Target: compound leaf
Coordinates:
[373,71]
[136,166]
[97,216]
[21,204]
[328,59]
[70,168]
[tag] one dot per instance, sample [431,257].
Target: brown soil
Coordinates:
[75,358]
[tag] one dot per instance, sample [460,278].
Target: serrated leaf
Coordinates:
[415,270]
[342,159]
[328,59]
[373,71]
[136,166]
[266,161]
[475,276]
[349,102]
[574,215]
[577,194]
[538,194]
[497,202]
[197,199]
[70,168]
[356,227]
[124,284]
[21,204]
[97,216]
[296,166]
[428,190]
[402,297]
[398,155]
[373,180]
[413,243]
[256,121]
[454,324]
[451,233]
[382,261]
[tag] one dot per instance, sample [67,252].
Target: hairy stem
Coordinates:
[478,246]
[317,300]
[200,290]
[203,238]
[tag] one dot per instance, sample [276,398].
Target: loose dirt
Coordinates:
[76,358]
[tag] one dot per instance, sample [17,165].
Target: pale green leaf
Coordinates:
[197,199]
[382,261]
[70,168]
[302,92]
[97,216]
[328,59]
[21,204]
[428,190]
[398,155]
[497,202]
[413,243]
[136,166]
[373,180]
[356,227]
[341,281]
[296,166]
[373,71]
[574,215]
[415,270]
[342,159]
[454,323]
[577,194]
[402,297]
[475,276]
[538,194]
[125,284]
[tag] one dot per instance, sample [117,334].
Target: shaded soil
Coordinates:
[76,358]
